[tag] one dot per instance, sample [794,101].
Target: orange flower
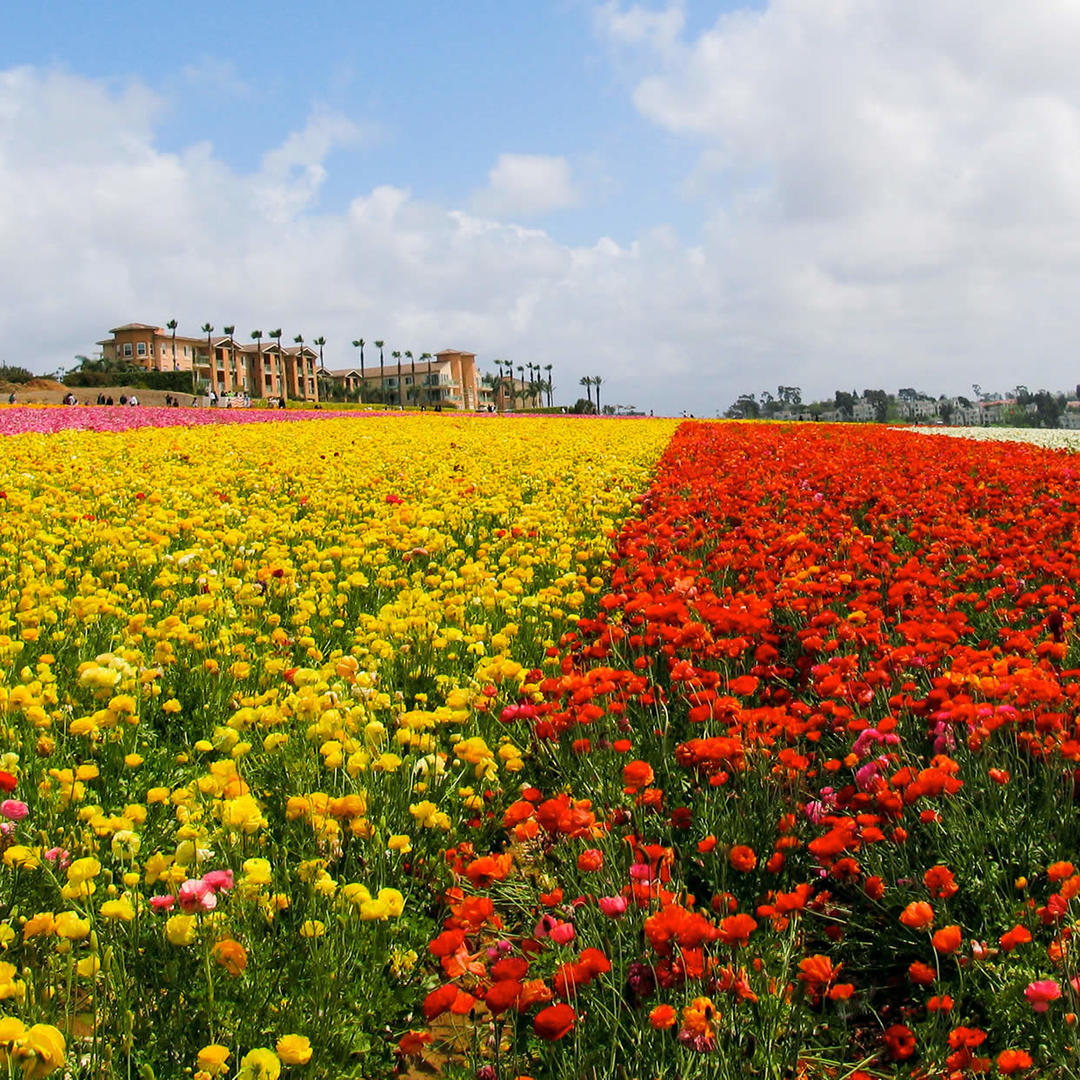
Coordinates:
[939,880]
[918,915]
[947,939]
[742,858]
[1018,935]
[662,1017]
[231,955]
[1013,1061]
[736,929]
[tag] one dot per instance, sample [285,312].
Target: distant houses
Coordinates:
[260,368]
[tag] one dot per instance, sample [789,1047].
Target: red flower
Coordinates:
[8,783]
[554,1022]
[918,915]
[1013,1061]
[947,939]
[742,858]
[662,1017]
[899,1042]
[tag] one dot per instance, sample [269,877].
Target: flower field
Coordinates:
[543,748]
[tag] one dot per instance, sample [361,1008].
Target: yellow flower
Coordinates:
[38,1050]
[88,966]
[294,1049]
[118,909]
[180,929]
[312,928]
[69,925]
[243,813]
[259,1064]
[400,842]
[133,761]
[212,1059]
[42,923]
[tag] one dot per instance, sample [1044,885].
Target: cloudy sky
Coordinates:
[689,199]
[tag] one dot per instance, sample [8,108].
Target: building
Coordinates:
[258,368]
[447,380]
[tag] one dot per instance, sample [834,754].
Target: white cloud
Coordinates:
[525,185]
[889,195]
[889,183]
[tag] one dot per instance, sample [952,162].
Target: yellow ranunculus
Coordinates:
[294,1049]
[181,929]
[212,1059]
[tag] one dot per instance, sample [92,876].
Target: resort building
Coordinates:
[257,368]
[447,380]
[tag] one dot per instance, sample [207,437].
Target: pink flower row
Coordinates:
[24,419]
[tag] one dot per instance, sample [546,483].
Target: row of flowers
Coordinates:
[801,791]
[251,687]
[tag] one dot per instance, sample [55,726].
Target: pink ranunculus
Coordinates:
[196,895]
[14,809]
[60,856]
[162,902]
[1041,992]
[614,907]
[219,880]
[562,934]
[640,871]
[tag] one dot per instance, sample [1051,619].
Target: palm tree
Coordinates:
[359,343]
[320,341]
[412,365]
[597,380]
[587,383]
[426,357]
[299,340]
[171,325]
[382,376]
[276,335]
[547,368]
[260,388]
[521,379]
[228,331]
[396,354]
[208,329]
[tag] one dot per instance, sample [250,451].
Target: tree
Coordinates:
[228,331]
[276,335]
[260,389]
[880,400]
[745,407]
[382,374]
[586,381]
[396,354]
[597,380]
[172,325]
[207,329]
[845,403]
[547,368]
[425,357]
[945,410]
[359,343]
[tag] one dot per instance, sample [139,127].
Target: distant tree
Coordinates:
[171,325]
[790,396]
[745,407]
[945,410]
[845,403]
[586,381]
[597,380]
[583,406]
[880,401]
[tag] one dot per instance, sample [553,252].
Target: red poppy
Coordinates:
[554,1022]
[8,783]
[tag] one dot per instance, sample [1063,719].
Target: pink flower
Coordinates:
[614,907]
[196,895]
[640,871]
[60,856]
[1041,992]
[162,903]
[13,809]
[219,880]
[562,934]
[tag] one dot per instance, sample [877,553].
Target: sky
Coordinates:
[691,200]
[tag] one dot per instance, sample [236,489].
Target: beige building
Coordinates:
[261,368]
[447,380]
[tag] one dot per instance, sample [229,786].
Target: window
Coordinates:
[127,348]
[185,350]
[140,348]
